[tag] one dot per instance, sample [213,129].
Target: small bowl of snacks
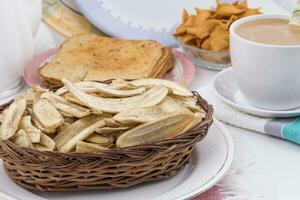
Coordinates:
[204,36]
[101,135]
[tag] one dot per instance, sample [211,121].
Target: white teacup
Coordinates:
[267,75]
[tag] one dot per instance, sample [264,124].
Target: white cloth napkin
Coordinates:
[288,129]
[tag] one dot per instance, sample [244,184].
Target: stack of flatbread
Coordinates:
[108,58]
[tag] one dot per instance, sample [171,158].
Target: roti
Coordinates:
[105,58]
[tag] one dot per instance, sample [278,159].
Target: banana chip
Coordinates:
[174,87]
[62,127]
[110,130]
[110,92]
[142,115]
[78,131]
[48,116]
[47,142]
[67,109]
[99,139]
[111,123]
[169,105]
[40,126]
[114,105]
[154,131]
[11,118]
[41,147]
[121,84]
[22,140]
[104,89]
[33,133]
[188,102]
[84,147]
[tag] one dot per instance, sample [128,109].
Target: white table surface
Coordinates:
[279,159]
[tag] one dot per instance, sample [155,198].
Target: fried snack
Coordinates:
[11,118]
[154,131]
[209,28]
[174,87]
[39,125]
[46,114]
[143,115]
[96,87]
[99,139]
[188,102]
[170,105]
[140,115]
[121,84]
[21,139]
[109,122]
[78,131]
[33,133]
[105,58]
[47,142]
[111,130]
[152,97]
[84,147]
[41,147]
[66,108]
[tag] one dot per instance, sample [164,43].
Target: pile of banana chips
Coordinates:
[86,116]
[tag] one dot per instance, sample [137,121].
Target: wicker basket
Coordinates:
[115,168]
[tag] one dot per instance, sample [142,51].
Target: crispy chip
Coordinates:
[112,105]
[78,131]
[22,140]
[167,127]
[85,147]
[47,142]
[204,29]
[219,39]
[99,139]
[46,113]
[227,9]
[109,122]
[11,118]
[250,12]
[188,38]
[180,31]
[185,16]
[198,29]
[33,133]
[202,15]
[110,130]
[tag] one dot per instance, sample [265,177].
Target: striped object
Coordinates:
[287,129]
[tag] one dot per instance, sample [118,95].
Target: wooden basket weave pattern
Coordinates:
[115,168]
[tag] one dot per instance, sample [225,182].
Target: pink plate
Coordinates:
[183,71]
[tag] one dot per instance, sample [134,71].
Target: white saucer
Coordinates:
[227,89]
[210,161]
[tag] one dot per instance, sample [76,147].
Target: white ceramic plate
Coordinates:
[210,160]
[227,89]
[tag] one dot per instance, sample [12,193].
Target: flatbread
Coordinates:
[104,58]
